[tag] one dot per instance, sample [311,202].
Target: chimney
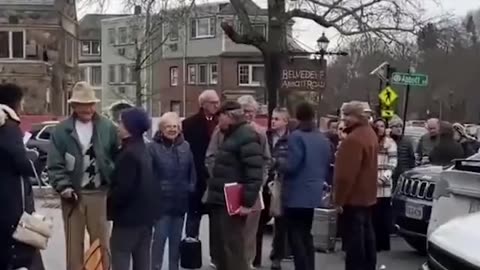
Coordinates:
[138,10]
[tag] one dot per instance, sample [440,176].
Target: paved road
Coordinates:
[400,258]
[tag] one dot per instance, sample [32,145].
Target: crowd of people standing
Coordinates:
[151,191]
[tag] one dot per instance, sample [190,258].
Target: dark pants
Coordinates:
[299,227]
[382,223]
[192,225]
[359,238]
[171,228]
[280,240]
[228,240]
[131,243]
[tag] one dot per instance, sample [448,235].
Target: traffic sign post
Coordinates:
[411,79]
[388,96]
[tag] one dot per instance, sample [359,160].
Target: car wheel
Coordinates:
[417,243]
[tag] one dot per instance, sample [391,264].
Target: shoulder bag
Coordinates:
[32,229]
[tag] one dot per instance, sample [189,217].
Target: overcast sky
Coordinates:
[307,32]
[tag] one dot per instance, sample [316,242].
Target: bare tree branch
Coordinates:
[251,38]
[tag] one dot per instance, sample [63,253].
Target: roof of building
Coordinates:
[28,2]
[250,6]
[90,25]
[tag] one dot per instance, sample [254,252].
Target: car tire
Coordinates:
[417,243]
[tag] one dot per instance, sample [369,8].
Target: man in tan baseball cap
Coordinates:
[80,162]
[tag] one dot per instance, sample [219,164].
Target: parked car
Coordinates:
[412,204]
[454,245]
[40,141]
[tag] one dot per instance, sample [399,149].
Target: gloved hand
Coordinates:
[69,194]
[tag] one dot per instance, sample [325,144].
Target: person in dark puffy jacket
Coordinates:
[130,199]
[447,148]
[405,151]
[15,167]
[175,178]
[239,158]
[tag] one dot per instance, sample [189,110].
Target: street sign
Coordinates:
[388,96]
[413,79]
[387,113]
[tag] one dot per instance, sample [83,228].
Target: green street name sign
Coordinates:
[413,79]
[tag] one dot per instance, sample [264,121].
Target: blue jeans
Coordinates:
[170,227]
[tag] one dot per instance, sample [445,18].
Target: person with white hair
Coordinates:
[197,131]
[428,141]
[255,221]
[175,176]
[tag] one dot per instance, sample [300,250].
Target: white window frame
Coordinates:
[73,52]
[90,46]
[210,34]
[263,25]
[123,70]
[90,75]
[174,76]
[189,74]
[110,79]
[10,42]
[206,74]
[88,69]
[211,80]
[120,37]
[112,39]
[250,74]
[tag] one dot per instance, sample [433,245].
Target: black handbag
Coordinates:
[191,253]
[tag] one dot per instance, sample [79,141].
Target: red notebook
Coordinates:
[234,198]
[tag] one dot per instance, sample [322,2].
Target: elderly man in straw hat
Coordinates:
[355,185]
[79,168]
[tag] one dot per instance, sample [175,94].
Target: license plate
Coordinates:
[414,211]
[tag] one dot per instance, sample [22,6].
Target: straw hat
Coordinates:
[82,92]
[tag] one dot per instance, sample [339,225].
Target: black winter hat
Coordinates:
[136,121]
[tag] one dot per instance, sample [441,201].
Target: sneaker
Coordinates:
[213,266]
[382,267]
[252,267]
[289,258]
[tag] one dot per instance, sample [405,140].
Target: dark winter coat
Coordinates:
[470,147]
[306,168]
[278,150]
[196,133]
[405,156]
[175,175]
[445,151]
[131,197]
[14,168]
[238,159]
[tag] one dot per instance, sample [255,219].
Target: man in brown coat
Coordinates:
[356,187]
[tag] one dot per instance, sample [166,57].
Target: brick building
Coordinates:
[38,51]
[209,59]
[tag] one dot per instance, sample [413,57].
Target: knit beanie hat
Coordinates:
[135,121]
[395,121]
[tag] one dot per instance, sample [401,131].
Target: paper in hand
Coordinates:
[26,137]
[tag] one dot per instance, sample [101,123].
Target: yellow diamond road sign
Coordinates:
[387,113]
[388,96]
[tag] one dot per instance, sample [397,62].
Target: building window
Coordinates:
[96,75]
[202,74]
[134,33]
[213,74]
[260,28]
[122,73]
[192,74]
[90,48]
[12,44]
[171,29]
[131,70]
[173,76]
[203,27]
[250,74]
[69,50]
[111,36]
[82,75]
[122,35]
[111,73]
[175,106]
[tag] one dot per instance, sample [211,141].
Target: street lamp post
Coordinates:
[322,43]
